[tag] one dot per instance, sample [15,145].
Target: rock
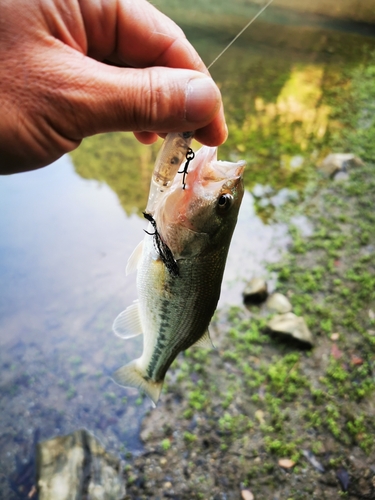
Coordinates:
[313,461]
[335,352]
[290,324]
[343,477]
[259,415]
[286,463]
[247,495]
[256,291]
[341,176]
[338,162]
[77,466]
[356,360]
[279,303]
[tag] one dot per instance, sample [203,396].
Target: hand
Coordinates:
[74,68]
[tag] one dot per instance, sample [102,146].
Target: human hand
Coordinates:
[56,88]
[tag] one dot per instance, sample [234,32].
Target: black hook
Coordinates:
[190,155]
[162,248]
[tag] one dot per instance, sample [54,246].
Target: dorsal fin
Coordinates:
[128,323]
[134,258]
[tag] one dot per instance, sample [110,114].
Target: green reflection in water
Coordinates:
[280,86]
[120,161]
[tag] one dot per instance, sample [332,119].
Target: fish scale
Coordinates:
[194,298]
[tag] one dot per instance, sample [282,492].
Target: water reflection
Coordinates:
[65,241]
[298,108]
[63,255]
[121,162]
[279,97]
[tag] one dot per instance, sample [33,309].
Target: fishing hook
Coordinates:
[150,218]
[162,248]
[190,155]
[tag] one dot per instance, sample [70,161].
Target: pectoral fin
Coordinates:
[131,375]
[205,341]
[128,323]
[133,260]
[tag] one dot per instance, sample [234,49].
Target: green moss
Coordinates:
[165,444]
[189,437]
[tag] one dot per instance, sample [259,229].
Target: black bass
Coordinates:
[180,265]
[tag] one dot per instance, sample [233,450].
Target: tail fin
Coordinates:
[131,375]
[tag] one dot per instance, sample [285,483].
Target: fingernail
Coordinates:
[202,100]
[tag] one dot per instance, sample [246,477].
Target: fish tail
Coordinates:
[131,375]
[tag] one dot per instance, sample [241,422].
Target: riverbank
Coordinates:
[228,416]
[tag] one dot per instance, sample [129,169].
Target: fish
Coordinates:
[180,265]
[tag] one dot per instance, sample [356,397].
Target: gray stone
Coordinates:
[290,324]
[338,162]
[76,467]
[256,291]
[341,176]
[279,303]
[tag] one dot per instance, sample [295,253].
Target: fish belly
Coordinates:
[175,310]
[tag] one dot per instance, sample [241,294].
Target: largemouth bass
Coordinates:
[180,265]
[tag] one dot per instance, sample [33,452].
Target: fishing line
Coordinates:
[190,153]
[240,33]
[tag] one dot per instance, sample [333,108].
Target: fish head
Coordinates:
[203,212]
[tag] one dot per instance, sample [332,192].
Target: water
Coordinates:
[66,232]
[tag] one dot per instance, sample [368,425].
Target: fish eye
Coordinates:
[224,202]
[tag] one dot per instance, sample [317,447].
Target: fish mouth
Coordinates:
[212,169]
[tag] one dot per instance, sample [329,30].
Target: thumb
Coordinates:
[64,96]
[94,97]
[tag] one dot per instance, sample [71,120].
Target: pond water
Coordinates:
[66,233]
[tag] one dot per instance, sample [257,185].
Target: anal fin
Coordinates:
[205,341]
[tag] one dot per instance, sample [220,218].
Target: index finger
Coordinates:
[136,34]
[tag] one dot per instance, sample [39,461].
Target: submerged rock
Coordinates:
[256,291]
[77,467]
[338,162]
[279,303]
[290,324]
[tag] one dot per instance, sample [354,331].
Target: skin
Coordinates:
[74,68]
